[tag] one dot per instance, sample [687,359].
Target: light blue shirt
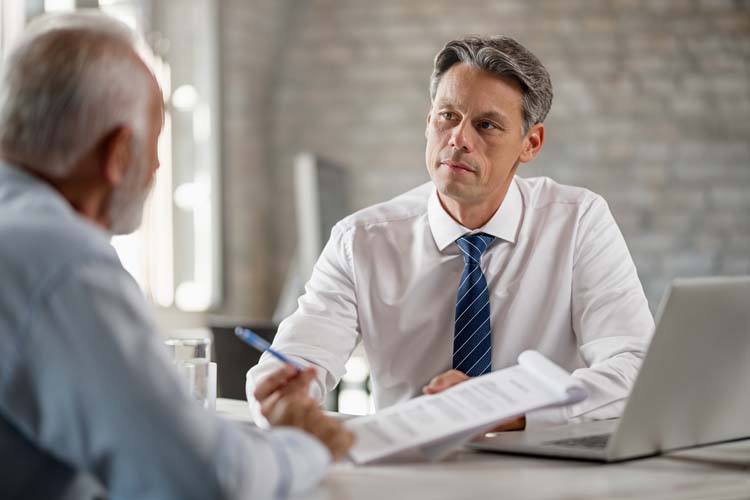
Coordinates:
[88,399]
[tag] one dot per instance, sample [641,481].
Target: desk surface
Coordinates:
[715,472]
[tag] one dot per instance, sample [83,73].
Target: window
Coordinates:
[175,255]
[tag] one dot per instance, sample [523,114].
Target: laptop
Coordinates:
[692,388]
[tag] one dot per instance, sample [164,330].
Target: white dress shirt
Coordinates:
[560,278]
[90,405]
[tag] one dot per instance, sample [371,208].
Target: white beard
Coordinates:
[126,212]
[126,205]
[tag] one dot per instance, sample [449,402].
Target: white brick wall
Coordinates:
[651,109]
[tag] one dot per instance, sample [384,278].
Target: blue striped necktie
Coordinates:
[472,346]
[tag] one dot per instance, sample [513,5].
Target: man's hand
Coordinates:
[517,424]
[277,380]
[454,377]
[444,381]
[284,401]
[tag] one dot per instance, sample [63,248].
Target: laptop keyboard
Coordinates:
[597,441]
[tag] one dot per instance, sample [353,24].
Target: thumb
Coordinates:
[300,382]
[308,374]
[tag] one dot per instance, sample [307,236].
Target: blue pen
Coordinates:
[255,340]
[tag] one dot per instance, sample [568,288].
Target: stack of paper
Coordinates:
[434,425]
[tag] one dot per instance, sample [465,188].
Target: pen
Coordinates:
[256,341]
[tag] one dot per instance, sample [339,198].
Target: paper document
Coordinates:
[435,424]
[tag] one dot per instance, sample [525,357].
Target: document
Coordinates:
[433,425]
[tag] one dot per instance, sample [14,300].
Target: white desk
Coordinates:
[716,472]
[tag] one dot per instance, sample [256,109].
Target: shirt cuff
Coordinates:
[302,459]
[269,464]
[546,417]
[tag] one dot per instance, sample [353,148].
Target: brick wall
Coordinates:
[651,110]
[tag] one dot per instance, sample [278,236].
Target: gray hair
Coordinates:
[72,79]
[502,56]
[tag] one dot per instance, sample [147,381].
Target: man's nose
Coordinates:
[462,137]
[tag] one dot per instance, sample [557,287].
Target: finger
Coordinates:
[341,444]
[300,384]
[455,376]
[329,428]
[273,382]
[288,411]
[268,408]
[444,381]
[429,389]
[305,408]
[447,379]
[434,384]
[297,409]
[333,435]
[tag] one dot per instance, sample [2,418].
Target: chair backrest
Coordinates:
[234,358]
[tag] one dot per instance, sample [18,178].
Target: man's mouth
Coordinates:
[457,166]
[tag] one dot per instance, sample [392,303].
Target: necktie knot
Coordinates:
[473,246]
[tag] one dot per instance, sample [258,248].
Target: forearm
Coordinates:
[610,319]
[608,384]
[323,331]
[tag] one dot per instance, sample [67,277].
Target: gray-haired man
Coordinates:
[457,277]
[89,404]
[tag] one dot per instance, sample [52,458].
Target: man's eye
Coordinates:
[485,125]
[448,115]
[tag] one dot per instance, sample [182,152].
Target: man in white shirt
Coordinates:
[90,406]
[458,276]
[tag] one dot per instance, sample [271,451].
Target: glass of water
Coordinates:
[182,349]
[192,358]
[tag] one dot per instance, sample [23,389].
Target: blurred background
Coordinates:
[285,115]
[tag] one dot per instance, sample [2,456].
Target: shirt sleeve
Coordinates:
[324,330]
[611,320]
[94,388]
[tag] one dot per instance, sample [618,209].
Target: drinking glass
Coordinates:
[192,358]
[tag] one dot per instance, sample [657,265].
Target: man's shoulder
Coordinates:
[39,251]
[38,225]
[38,246]
[57,237]
[401,209]
[544,192]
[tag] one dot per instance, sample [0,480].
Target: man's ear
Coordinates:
[427,125]
[116,150]
[532,143]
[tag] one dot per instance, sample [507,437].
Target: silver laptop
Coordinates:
[692,388]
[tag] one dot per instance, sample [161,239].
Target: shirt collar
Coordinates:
[504,224]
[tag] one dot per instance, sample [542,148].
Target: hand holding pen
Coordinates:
[285,401]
